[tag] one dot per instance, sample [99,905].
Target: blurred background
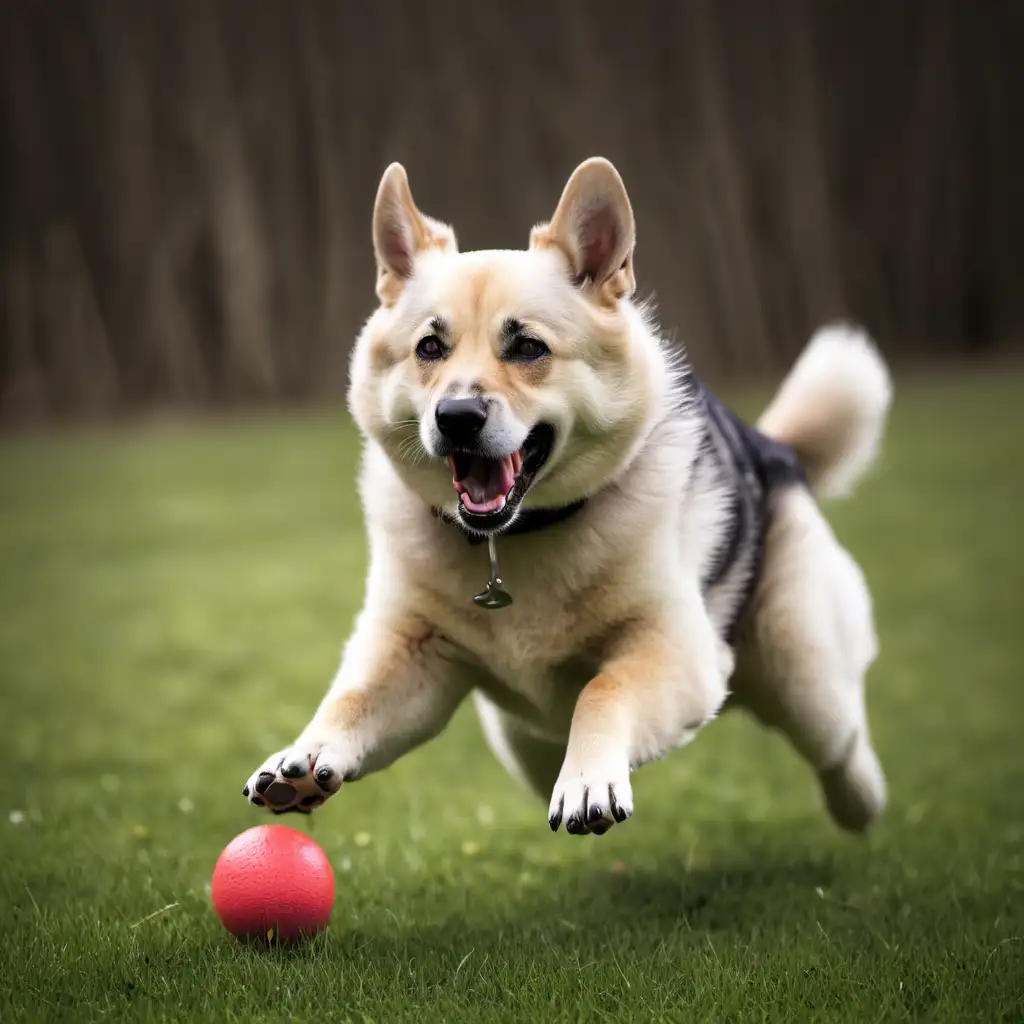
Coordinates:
[187,186]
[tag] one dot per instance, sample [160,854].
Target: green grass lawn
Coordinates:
[172,605]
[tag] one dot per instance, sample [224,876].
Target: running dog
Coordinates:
[657,555]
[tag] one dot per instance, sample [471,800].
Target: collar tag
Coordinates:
[493,596]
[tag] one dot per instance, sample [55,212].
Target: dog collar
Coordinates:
[494,595]
[529,520]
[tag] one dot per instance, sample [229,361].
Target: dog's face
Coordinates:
[497,378]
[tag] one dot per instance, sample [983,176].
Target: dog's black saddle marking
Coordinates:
[759,466]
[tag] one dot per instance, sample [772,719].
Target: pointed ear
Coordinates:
[593,225]
[401,233]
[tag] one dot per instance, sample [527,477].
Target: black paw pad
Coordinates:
[595,812]
[258,801]
[279,793]
[295,770]
[309,801]
[324,776]
[599,830]
[265,779]
[245,791]
[576,826]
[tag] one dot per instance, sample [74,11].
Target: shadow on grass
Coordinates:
[778,920]
[580,912]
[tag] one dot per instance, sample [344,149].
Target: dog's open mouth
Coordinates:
[490,490]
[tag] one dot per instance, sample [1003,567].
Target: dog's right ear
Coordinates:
[401,233]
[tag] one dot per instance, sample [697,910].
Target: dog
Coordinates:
[659,559]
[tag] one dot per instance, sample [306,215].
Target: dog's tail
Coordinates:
[831,409]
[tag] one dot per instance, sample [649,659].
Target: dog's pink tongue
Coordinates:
[485,484]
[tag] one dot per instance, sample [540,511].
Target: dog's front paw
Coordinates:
[591,798]
[299,778]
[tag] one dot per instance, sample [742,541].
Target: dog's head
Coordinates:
[497,378]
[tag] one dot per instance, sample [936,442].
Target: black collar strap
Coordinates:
[529,520]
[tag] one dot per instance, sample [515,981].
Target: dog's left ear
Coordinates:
[593,225]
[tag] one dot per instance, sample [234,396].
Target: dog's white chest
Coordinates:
[541,694]
[531,659]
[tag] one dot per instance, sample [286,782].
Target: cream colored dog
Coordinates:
[660,554]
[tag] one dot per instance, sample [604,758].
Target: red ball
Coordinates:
[274,884]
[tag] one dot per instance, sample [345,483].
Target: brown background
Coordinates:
[187,186]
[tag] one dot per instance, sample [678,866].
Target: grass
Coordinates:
[172,604]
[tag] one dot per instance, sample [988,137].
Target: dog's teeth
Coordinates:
[501,503]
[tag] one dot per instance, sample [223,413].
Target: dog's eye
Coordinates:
[527,349]
[430,348]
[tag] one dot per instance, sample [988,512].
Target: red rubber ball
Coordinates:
[273,884]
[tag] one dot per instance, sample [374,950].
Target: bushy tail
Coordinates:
[832,408]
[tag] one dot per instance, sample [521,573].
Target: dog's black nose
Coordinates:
[461,419]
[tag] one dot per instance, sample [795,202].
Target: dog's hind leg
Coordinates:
[808,642]
[531,759]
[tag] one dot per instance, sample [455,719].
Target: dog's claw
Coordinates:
[555,819]
[617,812]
